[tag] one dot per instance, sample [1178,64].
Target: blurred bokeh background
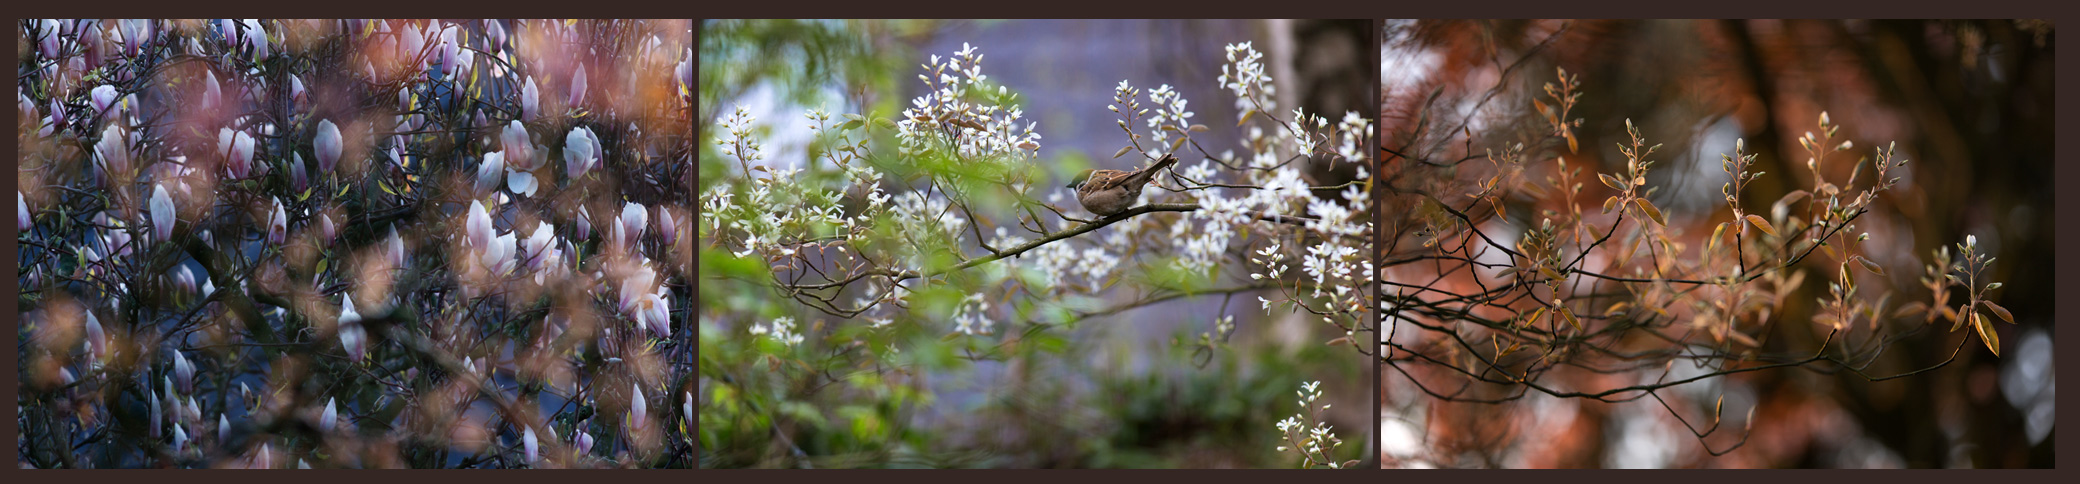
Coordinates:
[1969,102]
[1119,390]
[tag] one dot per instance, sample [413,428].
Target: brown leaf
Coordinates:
[1870,266]
[1611,181]
[1762,223]
[1651,211]
[1999,311]
[1571,321]
[1987,334]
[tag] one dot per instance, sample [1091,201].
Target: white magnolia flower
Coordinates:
[114,149]
[394,246]
[103,97]
[223,429]
[530,100]
[496,33]
[212,93]
[578,85]
[498,258]
[162,213]
[97,339]
[583,441]
[22,221]
[180,439]
[536,249]
[638,407]
[520,159]
[581,151]
[490,172]
[278,223]
[326,228]
[237,148]
[527,440]
[666,226]
[330,419]
[183,373]
[352,336]
[328,146]
[478,225]
[634,219]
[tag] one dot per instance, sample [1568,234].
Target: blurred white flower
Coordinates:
[394,246]
[180,440]
[535,250]
[22,220]
[212,93]
[533,447]
[97,339]
[223,429]
[162,213]
[495,32]
[183,373]
[638,407]
[326,228]
[297,94]
[781,329]
[578,86]
[583,441]
[330,419]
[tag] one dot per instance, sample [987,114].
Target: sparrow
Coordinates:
[1108,192]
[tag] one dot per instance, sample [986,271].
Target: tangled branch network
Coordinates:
[1483,306]
[355,243]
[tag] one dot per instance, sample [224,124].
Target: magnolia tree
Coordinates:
[360,243]
[1600,295]
[939,237]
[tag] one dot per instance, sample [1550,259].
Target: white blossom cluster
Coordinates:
[1306,433]
[960,111]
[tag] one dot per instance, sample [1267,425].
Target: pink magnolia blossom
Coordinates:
[530,100]
[578,86]
[114,150]
[162,213]
[278,223]
[490,173]
[581,151]
[328,145]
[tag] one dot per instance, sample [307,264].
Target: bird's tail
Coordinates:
[1146,174]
